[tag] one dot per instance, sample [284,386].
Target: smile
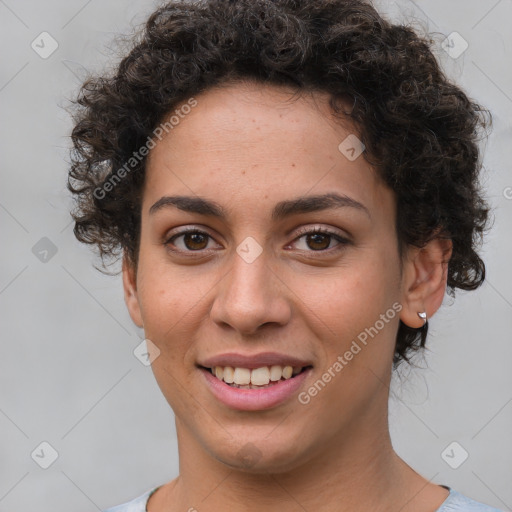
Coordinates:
[243,394]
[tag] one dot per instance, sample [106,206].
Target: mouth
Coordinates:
[258,385]
[255,378]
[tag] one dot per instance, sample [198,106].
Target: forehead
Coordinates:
[247,142]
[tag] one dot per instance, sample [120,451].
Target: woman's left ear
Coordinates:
[425,273]
[130,292]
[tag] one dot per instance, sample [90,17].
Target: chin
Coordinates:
[259,456]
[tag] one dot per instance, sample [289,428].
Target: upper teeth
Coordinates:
[258,376]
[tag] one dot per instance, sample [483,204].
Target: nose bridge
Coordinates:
[249,297]
[250,274]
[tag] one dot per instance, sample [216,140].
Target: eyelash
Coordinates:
[302,232]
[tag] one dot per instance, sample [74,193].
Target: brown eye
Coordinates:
[319,240]
[195,241]
[191,240]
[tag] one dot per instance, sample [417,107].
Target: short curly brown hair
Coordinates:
[421,131]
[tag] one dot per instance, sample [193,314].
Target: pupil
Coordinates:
[325,237]
[194,238]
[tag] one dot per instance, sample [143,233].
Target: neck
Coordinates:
[363,473]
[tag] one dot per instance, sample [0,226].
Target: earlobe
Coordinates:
[130,293]
[424,281]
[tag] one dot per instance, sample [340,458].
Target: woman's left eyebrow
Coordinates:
[283,209]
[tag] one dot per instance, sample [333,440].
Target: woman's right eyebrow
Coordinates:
[283,209]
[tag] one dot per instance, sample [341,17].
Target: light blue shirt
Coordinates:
[455,502]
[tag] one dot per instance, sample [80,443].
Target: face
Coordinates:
[267,278]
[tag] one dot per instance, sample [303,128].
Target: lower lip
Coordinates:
[254,399]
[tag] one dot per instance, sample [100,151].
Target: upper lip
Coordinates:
[237,360]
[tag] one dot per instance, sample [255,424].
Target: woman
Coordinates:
[293,186]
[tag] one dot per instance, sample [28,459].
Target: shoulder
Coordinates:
[136,505]
[457,502]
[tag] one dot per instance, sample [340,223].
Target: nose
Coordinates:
[250,296]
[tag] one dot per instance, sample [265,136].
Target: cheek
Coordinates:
[353,296]
[166,291]
[164,299]
[169,303]
[174,301]
[358,344]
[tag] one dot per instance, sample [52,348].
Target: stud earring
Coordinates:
[423,316]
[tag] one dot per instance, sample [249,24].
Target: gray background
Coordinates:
[68,375]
